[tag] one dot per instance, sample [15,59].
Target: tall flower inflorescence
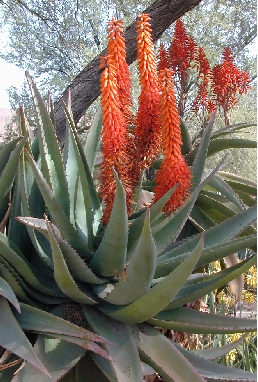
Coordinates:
[148,131]
[228,81]
[203,103]
[174,168]
[116,48]
[114,139]
[182,52]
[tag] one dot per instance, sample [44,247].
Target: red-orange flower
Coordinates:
[203,102]
[116,48]
[164,62]
[147,132]
[114,139]
[173,168]
[227,82]
[182,50]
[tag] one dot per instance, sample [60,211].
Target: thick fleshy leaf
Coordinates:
[125,361]
[6,152]
[157,351]
[168,230]
[219,351]
[212,371]
[58,357]
[58,215]
[200,286]
[215,252]
[220,233]
[217,145]
[10,168]
[193,321]
[220,185]
[37,320]
[199,158]
[13,338]
[63,276]
[88,192]
[159,296]
[93,139]
[110,257]
[239,183]
[136,225]
[7,292]
[139,272]
[11,253]
[51,159]
[75,263]
[231,129]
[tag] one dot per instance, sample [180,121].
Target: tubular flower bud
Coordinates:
[116,48]
[114,139]
[174,168]
[147,132]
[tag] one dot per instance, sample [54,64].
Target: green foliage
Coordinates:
[80,300]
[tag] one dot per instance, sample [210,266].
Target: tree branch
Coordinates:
[85,86]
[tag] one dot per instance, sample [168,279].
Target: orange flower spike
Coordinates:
[114,139]
[116,48]
[147,132]
[163,58]
[174,168]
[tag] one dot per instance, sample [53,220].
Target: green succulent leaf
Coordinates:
[199,157]
[161,354]
[75,263]
[200,286]
[220,233]
[231,129]
[13,338]
[9,170]
[212,371]
[193,321]
[125,361]
[7,292]
[39,321]
[168,230]
[135,228]
[139,272]
[159,296]
[57,213]
[51,159]
[219,351]
[6,152]
[62,274]
[57,355]
[221,186]
[209,254]
[110,257]
[239,183]
[93,139]
[222,144]
[86,189]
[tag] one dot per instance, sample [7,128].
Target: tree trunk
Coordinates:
[85,86]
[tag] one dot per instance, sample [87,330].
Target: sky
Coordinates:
[11,75]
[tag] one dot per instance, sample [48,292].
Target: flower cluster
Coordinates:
[114,138]
[147,132]
[227,82]
[174,168]
[130,153]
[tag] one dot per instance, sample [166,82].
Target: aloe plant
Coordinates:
[82,300]
[86,286]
